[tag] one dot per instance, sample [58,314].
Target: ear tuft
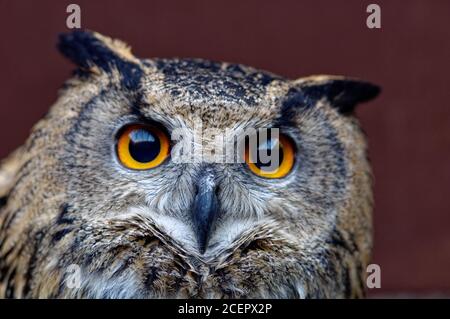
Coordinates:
[93,52]
[88,49]
[342,92]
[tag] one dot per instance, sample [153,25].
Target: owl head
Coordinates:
[128,188]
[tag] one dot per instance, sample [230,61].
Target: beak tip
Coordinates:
[202,239]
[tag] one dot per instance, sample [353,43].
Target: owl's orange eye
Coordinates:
[272,157]
[142,147]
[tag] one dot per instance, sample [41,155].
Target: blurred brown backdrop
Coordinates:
[408,126]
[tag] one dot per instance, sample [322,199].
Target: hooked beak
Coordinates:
[204,209]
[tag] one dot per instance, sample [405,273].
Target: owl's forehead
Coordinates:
[208,80]
[214,92]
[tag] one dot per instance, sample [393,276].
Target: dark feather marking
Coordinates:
[38,237]
[179,279]
[337,240]
[150,277]
[82,118]
[10,285]
[151,273]
[8,221]
[60,234]
[4,269]
[10,218]
[7,253]
[3,201]
[63,217]
[347,282]
[3,266]
[23,172]
[295,100]
[77,241]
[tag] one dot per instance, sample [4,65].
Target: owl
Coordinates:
[122,191]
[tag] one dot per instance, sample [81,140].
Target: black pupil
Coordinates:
[266,148]
[144,145]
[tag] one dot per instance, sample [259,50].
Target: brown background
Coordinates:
[408,126]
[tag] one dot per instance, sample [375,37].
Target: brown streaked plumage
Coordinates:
[66,200]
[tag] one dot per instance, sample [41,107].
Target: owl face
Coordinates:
[138,192]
